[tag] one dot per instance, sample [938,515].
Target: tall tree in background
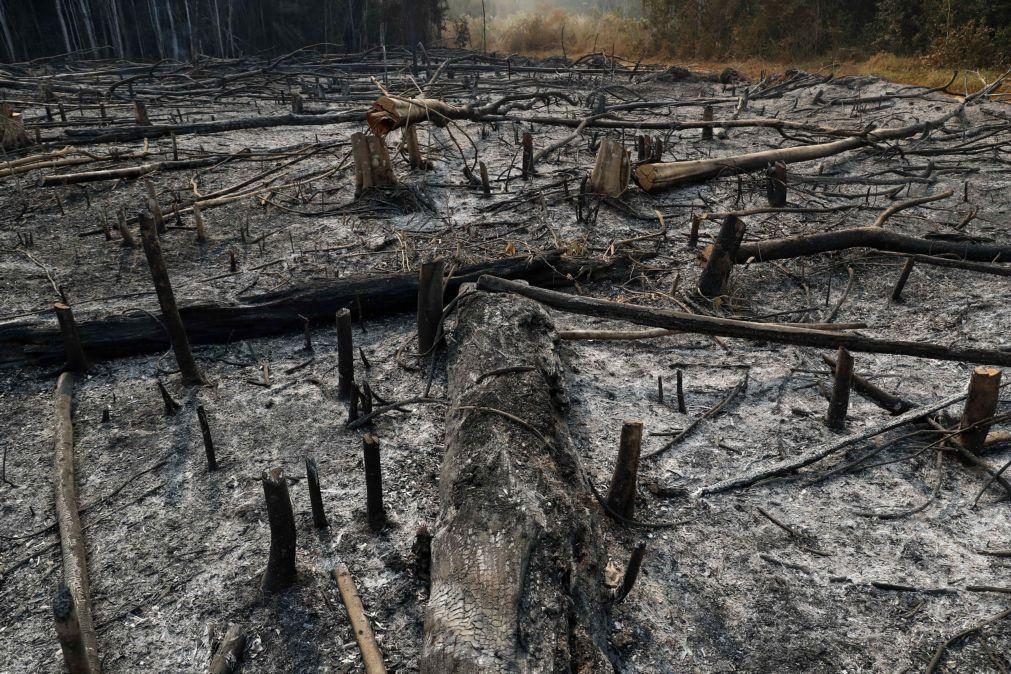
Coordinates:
[180,29]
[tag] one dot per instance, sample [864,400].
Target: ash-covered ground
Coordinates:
[864,580]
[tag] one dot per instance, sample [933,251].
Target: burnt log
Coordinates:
[728,327]
[111,335]
[68,518]
[868,237]
[515,508]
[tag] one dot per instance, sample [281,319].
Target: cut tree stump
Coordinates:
[611,171]
[280,573]
[714,277]
[515,508]
[981,405]
[12,129]
[372,163]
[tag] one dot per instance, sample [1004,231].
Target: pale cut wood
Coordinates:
[393,112]
[372,657]
[75,559]
[612,169]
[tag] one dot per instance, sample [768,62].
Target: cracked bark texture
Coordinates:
[516,557]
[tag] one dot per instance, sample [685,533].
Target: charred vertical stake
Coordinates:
[631,571]
[171,406]
[226,658]
[430,292]
[707,116]
[621,495]
[68,631]
[840,390]
[984,387]
[528,155]
[907,269]
[422,550]
[280,573]
[205,431]
[139,114]
[307,333]
[775,187]
[345,355]
[485,185]
[713,281]
[76,362]
[373,483]
[198,219]
[659,388]
[682,408]
[166,298]
[315,497]
[693,234]
[152,204]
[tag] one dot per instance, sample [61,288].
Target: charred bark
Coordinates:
[516,556]
[114,336]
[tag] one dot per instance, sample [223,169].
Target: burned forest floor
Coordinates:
[867,561]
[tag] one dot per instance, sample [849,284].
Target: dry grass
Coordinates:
[553,31]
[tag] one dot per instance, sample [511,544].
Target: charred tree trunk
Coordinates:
[515,509]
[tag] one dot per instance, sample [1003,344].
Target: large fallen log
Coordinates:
[868,237]
[727,327]
[516,558]
[662,176]
[131,133]
[75,559]
[133,172]
[107,335]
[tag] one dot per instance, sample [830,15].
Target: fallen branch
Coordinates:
[791,466]
[75,560]
[867,237]
[372,657]
[275,313]
[939,653]
[726,327]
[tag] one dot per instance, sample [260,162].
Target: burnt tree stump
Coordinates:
[980,407]
[345,355]
[713,281]
[373,483]
[280,573]
[515,509]
[621,495]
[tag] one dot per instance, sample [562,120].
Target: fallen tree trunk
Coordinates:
[75,560]
[868,237]
[657,177]
[114,336]
[106,135]
[133,172]
[516,559]
[727,327]
[393,112]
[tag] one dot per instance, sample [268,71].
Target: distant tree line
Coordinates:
[956,32]
[179,29]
